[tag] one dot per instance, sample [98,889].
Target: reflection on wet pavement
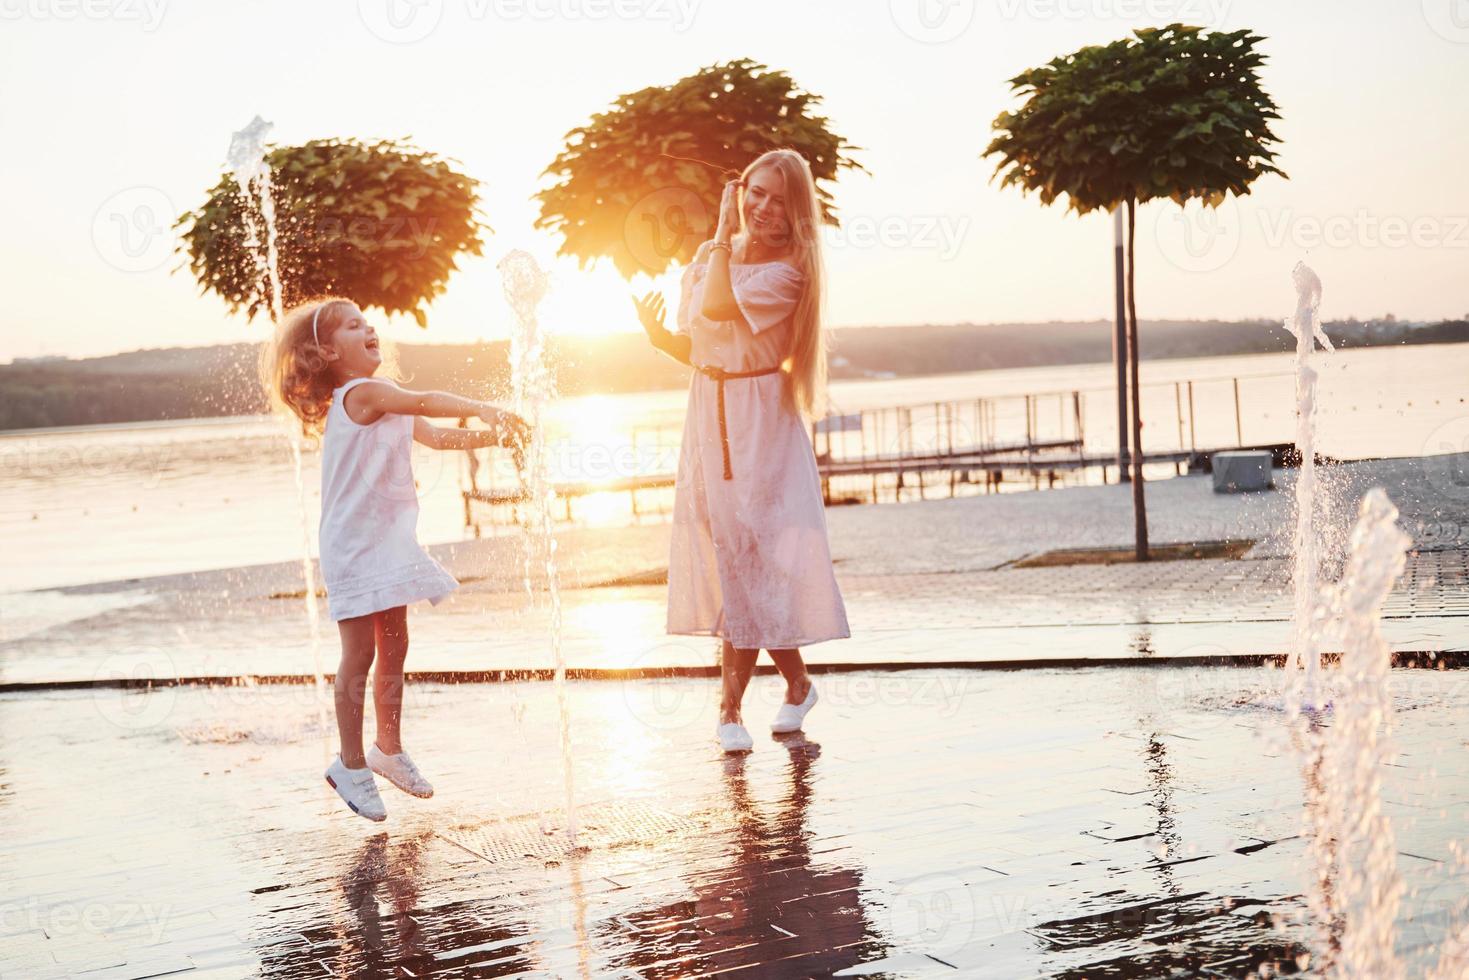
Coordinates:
[1083,823]
[220,625]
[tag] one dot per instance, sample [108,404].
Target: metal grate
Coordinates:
[599,826]
[1434,583]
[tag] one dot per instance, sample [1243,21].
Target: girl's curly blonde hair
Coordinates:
[294,369]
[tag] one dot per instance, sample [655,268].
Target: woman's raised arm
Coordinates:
[719,298]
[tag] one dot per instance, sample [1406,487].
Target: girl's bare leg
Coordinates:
[735,669]
[387,677]
[793,669]
[351,686]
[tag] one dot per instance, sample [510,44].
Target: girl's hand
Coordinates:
[650,313]
[729,212]
[511,431]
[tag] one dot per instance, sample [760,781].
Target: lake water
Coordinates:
[102,503]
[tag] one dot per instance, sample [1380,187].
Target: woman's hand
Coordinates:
[729,212]
[650,313]
[680,347]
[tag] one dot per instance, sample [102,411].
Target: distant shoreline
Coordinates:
[203,384]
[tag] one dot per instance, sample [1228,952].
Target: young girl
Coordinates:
[321,368]
[749,560]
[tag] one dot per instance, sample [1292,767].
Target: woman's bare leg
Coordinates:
[735,669]
[387,677]
[351,686]
[793,669]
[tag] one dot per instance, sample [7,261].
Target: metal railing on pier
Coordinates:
[952,447]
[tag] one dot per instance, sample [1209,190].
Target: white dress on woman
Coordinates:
[749,560]
[370,556]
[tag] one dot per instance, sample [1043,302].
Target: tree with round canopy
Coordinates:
[1171,112]
[381,223]
[640,183]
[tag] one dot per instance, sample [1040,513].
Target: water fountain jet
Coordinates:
[1356,889]
[533,387]
[246,159]
[1306,550]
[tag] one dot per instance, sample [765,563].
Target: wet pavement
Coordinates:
[1087,821]
[1071,823]
[1194,609]
[925,583]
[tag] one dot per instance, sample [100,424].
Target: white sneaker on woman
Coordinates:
[357,789]
[734,738]
[400,771]
[790,717]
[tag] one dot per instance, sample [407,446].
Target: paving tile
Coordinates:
[1049,822]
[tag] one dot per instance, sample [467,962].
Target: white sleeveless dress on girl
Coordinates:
[370,556]
[749,560]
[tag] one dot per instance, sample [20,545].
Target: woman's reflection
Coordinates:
[771,910]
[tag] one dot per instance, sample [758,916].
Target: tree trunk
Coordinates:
[1139,503]
[1119,345]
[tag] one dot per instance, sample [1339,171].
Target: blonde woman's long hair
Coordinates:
[805,368]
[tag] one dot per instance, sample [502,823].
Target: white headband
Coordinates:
[316,313]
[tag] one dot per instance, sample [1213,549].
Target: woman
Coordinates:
[749,560]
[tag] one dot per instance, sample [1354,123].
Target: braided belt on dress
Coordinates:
[721,376]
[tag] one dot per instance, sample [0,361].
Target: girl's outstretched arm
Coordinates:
[370,402]
[367,403]
[509,434]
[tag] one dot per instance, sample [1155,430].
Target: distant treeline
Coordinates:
[181,383]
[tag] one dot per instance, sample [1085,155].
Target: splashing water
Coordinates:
[1306,550]
[247,160]
[533,387]
[1356,889]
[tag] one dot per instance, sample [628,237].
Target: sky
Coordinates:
[117,115]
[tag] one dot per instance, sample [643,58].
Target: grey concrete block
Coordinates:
[1238,472]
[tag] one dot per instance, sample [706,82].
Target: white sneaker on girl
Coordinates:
[357,789]
[734,738]
[400,771]
[790,717]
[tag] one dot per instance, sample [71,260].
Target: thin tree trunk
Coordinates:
[1139,503]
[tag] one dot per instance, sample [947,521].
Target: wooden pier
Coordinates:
[983,445]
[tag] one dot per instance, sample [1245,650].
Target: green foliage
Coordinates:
[620,192]
[1172,112]
[379,223]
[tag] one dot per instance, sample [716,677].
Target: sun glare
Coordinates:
[597,301]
